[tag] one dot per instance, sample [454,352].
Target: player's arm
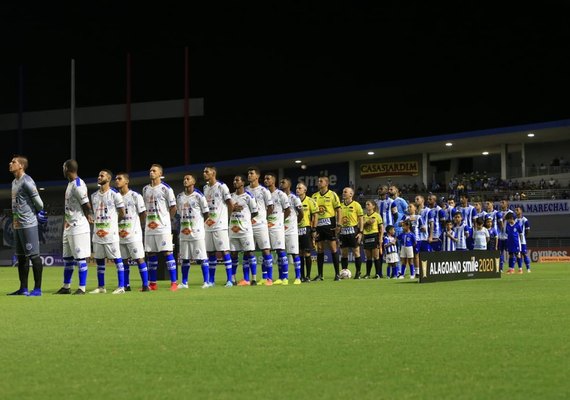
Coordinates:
[172,211]
[88,212]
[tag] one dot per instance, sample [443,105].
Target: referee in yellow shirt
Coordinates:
[328,204]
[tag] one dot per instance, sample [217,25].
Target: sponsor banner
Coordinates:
[455,265]
[337,173]
[540,207]
[547,259]
[538,253]
[394,168]
[48,260]
[50,234]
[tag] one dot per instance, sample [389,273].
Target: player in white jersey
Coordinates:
[292,227]
[130,231]
[76,229]
[240,229]
[27,211]
[525,225]
[192,208]
[160,204]
[276,227]
[217,239]
[108,207]
[259,223]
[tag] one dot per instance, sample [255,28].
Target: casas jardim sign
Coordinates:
[396,168]
[454,265]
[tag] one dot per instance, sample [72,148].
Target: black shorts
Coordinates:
[325,233]
[305,239]
[371,241]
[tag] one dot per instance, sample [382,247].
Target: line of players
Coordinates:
[213,224]
[417,227]
[218,225]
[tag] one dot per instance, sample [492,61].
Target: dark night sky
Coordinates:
[295,73]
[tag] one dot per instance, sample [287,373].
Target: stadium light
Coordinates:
[530,134]
[449,144]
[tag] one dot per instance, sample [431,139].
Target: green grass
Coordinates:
[479,339]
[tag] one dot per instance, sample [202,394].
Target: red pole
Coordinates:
[186,115]
[128,115]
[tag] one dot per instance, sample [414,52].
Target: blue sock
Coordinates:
[120,271]
[127,269]
[235,264]
[501,260]
[171,265]
[153,268]
[185,271]
[100,272]
[412,270]
[228,265]
[512,262]
[297,262]
[527,261]
[402,270]
[205,270]
[68,264]
[253,264]
[284,264]
[519,262]
[212,269]
[246,268]
[143,271]
[267,263]
[82,264]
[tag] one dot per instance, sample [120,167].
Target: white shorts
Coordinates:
[217,241]
[133,250]
[158,243]
[277,239]
[192,250]
[261,237]
[106,250]
[292,244]
[407,252]
[77,246]
[244,243]
[391,258]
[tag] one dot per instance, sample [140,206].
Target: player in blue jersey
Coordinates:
[384,203]
[27,211]
[513,231]
[434,223]
[493,234]
[391,251]
[501,225]
[460,231]
[525,225]
[448,239]
[399,207]
[407,241]
[468,214]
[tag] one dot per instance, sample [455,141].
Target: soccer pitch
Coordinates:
[501,338]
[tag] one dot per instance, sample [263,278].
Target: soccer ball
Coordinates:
[345,274]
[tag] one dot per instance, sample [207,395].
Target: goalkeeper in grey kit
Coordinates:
[27,212]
